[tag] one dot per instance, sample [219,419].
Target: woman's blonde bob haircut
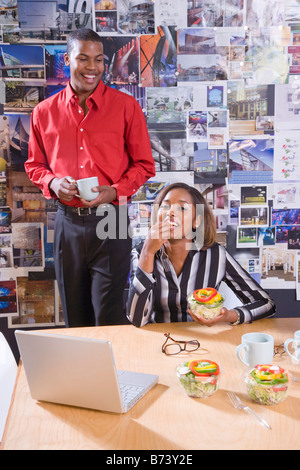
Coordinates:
[209,238]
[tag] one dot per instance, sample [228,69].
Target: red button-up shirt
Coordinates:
[110,142]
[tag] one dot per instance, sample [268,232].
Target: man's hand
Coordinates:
[64,188]
[106,195]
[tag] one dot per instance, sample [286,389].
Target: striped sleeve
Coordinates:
[257,303]
[140,298]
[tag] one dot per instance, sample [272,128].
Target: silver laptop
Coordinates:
[79,372]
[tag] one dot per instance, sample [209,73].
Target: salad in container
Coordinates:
[268,384]
[206,303]
[199,379]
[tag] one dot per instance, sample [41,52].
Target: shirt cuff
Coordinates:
[146,279]
[46,189]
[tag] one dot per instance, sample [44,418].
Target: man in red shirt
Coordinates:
[89,129]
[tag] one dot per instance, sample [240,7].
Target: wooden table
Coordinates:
[165,419]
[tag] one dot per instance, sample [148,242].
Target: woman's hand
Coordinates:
[157,235]
[228,316]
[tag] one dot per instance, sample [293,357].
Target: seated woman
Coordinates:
[169,265]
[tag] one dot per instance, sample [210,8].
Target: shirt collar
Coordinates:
[96,96]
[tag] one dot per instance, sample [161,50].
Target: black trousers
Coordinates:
[91,272]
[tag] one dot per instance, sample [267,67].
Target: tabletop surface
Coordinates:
[166,418]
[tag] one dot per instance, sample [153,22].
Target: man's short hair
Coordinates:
[83,34]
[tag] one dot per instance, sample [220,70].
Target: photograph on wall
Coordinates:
[253,216]
[287,105]
[20,62]
[159,58]
[265,123]
[121,60]
[298,275]
[26,201]
[52,20]
[3,191]
[170,149]
[205,13]
[282,232]
[28,246]
[168,104]
[171,13]
[287,156]
[36,303]
[286,195]
[22,97]
[48,249]
[248,257]
[202,67]
[266,236]
[6,253]
[210,165]
[217,118]
[194,41]
[197,126]
[217,139]
[246,237]
[8,12]
[57,73]
[261,14]
[136,17]
[5,220]
[233,216]
[294,239]
[254,195]
[251,161]
[266,52]
[106,16]
[240,70]
[8,298]
[216,196]
[285,216]
[277,267]
[19,129]
[215,96]
[4,145]
[247,102]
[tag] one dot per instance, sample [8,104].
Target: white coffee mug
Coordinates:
[296,345]
[85,186]
[256,348]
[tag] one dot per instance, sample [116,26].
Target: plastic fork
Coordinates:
[239,405]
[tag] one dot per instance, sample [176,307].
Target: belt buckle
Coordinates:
[81,211]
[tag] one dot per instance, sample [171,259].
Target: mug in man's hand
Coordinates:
[85,186]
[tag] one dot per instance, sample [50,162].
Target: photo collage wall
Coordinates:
[219,84]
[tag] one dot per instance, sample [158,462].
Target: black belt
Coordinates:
[81,211]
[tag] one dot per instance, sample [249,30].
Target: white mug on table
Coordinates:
[256,348]
[296,344]
[85,186]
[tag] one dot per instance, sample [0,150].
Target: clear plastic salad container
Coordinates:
[206,303]
[199,379]
[268,384]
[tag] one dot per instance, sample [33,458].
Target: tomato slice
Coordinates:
[205,295]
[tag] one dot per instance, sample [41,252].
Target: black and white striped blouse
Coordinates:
[162,296]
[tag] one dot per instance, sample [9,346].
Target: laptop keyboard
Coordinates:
[129,392]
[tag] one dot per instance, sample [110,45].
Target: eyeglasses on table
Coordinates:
[178,345]
[279,350]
